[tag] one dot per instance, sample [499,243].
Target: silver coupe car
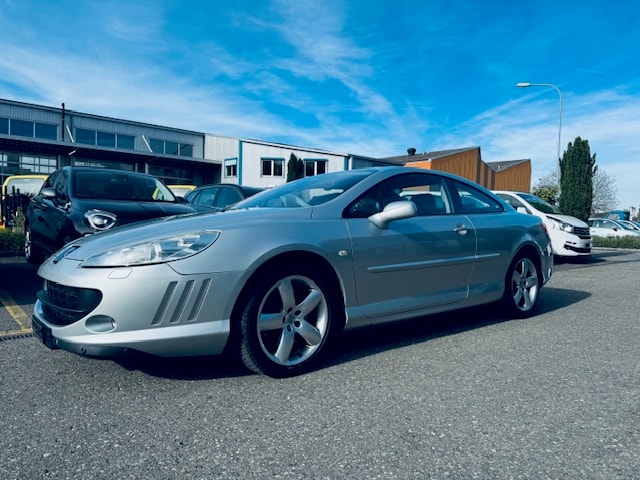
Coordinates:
[276,277]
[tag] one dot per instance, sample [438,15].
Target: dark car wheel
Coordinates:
[522,287]
[31,252]
[287,322]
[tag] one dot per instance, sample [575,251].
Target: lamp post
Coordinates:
[527,84]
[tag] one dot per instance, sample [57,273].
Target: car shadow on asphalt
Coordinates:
[354,344]
[365,342]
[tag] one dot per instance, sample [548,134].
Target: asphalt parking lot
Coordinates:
[461,396]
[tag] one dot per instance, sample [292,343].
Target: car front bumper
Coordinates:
[150,309]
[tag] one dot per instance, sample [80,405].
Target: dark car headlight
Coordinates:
[100,219]
[159,250]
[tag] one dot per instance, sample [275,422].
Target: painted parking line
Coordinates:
[17,314]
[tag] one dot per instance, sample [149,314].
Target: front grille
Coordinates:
[582,232]
[62,305]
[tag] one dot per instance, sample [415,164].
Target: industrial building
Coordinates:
[36,139]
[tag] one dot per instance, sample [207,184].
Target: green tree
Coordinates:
[295,168]
[548,188]
[577,168]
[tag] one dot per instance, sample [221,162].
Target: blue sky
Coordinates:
[359,76]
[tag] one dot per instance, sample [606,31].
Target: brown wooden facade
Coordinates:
[467,162]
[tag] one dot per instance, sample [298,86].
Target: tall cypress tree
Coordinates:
[577,168]
[295,168]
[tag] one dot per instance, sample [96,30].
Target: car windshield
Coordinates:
[540,204]
[105,185]
[305,192]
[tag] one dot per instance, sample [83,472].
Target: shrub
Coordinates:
[11,242]
[621,242]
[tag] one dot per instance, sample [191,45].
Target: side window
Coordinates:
[428,192]
[365,205]
[206,197]
[50,182]
[61,187]
[227,196]
[514,202]
[470,200]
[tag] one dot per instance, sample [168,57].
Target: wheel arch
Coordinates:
[304,258]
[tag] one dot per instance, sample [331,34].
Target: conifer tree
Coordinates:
[295,168]
[577,168]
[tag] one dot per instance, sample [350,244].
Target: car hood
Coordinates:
[576,222]
[132,211]
[164,227]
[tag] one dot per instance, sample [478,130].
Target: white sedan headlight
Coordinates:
[154,251]
[564,226]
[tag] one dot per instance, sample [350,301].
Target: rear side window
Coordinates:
[469,200]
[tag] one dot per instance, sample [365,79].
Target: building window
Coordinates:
[173,175]
[21,128]
[314,167]
[157,146]
[24,128]
[231,167]
[272,167]
[90,162]
[88,137]
[46,131]
[171,148]
[126,142]
[106,139]
[21,164]
[186,150]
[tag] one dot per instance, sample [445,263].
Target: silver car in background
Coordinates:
[278,276]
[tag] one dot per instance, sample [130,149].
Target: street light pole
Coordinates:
[527,84]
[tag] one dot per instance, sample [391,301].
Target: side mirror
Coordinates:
[394,211]
[522,210]
[49,193]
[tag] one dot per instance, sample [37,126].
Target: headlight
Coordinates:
[564,226]
[99,219]
[567,227]
[154,251]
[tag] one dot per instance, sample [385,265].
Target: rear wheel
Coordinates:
[522,287]
[31,252]
[288,321]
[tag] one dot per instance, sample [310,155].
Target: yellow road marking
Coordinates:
[18,315]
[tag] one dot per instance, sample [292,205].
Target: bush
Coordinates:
[621,242]
[11,242]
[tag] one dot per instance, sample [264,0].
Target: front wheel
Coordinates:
[31,252]
[522,287]
[288,321]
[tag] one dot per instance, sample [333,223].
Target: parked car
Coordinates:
[278,275]
[570,236]
[220,195]
[16,192]
[631,224]
[77,201]
[181,190]
[608,227]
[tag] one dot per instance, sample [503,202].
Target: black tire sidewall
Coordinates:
[251,352]
[508,300]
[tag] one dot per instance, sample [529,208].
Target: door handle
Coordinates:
[461,229]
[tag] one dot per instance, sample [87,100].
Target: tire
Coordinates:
[288,321]
[31,252]
[522,287]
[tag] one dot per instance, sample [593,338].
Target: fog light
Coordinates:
[100,324]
